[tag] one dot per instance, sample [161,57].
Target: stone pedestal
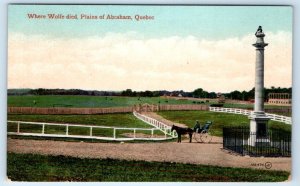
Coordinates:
[258,129]
[258,118]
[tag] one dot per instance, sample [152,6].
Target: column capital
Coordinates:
[260,44]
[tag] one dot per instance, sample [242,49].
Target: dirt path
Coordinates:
[195,153]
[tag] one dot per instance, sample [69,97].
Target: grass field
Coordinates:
[111,120]
[116,120]
[87,101]
[111,101]
[32,167]
[251,106]
[219,120]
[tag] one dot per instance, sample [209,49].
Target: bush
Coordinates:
[217,105]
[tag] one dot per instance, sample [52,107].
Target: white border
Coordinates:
[296,78]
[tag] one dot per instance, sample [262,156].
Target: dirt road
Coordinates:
[195,153]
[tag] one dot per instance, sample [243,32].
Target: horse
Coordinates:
[181,131]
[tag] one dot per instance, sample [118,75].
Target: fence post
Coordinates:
[243,142]
[134,133]
[115,133]
[67,129]
[43,130]
[152,131]
[91,131]
[224,138]
[18,129]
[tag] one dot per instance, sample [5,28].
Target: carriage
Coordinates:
[202,134]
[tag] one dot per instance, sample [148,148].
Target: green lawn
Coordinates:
[111,120]
[251,106]
[32,167]
[219,120]
[86,101]
[116,120]
[110,101]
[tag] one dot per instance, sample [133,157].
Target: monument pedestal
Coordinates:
[258,129]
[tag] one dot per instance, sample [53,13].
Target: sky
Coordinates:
[182,48]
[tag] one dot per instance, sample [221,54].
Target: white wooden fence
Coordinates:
[166,129]
[66,133]
[274,117]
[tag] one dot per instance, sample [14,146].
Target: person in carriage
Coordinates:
[199,129]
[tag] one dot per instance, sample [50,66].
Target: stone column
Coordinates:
[258,118]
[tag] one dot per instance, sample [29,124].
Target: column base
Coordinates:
[258,129]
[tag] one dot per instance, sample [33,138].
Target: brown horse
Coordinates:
[181,131]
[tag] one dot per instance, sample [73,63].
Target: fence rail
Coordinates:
[274,117]
[91,134]
[159,125]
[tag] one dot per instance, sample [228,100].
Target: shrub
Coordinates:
[217,105]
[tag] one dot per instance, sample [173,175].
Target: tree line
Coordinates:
[197,93]
[249,95]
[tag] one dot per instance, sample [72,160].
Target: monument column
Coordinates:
[258,118]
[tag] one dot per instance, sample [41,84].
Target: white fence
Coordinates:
[135,132]
[274,117]
[159,125]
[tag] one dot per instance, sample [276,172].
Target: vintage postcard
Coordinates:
[149,93]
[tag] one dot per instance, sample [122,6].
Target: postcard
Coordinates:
[149,93]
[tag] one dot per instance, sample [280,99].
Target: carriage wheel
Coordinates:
[197,137]
[205,137]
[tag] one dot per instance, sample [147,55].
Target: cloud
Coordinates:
[120,61]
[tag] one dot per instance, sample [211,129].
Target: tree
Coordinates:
[127,92]
[198,92]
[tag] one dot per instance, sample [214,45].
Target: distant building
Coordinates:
[221,98]
[219,94]
[279,98]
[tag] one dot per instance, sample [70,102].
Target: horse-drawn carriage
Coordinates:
[200,134]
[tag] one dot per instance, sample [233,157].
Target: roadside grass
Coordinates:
[219,120]
[109,120]
[87,101]
[33,167]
